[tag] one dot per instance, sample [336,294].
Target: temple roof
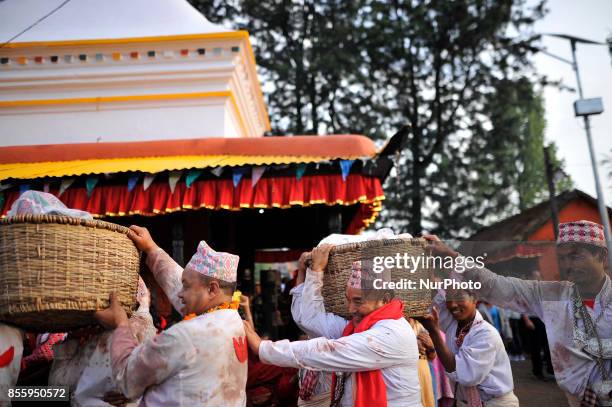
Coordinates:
[94,19]
[30,162]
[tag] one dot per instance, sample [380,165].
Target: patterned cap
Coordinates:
[354,280]
[582,231]
[219,265]
[363,275]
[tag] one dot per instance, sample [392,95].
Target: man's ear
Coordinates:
[214,288]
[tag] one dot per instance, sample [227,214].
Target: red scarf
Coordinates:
[370,388]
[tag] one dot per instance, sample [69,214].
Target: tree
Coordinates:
[500,169]
[445,69]
[308,52]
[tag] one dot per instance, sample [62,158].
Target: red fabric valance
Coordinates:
[276,192]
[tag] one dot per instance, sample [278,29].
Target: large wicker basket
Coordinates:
[416,301]
[55,271]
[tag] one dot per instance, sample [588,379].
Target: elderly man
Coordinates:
[200,361]
[577,313]
[373,356]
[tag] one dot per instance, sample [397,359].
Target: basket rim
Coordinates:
[64,220]
[345,247]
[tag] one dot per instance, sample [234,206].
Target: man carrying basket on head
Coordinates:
[373,356]
[200,361]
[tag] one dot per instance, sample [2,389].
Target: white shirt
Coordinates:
[551,302]
[86,368]
[481,360]
[10,337]
[389,345]
[193,363]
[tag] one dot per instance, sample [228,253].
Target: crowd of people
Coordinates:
[456,355]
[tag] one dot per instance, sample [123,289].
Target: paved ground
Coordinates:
[532,392]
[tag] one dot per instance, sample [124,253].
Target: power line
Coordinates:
[35,23]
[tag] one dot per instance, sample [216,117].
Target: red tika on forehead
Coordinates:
[582,232]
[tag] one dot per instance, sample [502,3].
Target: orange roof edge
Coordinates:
[333,146]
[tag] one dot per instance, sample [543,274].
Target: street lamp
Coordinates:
[585,108]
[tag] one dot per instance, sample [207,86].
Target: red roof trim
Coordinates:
[336,146]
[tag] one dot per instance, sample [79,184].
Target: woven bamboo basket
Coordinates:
[416,301]
[55,271]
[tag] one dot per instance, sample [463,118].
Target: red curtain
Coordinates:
[279,192]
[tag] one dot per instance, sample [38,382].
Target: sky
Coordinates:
[590,19]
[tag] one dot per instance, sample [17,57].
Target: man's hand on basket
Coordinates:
[302,266]
[320,255]
[436,247]
[113,316]
[430,321]
[142,239]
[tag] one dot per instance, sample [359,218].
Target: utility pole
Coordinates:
[585,108]
[603,210]
[554,211]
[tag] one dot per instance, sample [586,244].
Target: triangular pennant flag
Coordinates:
[132,181]
[5,186]
[192,175]
[90,184]
[23,188]
[345,166]
[148,180]
[173,179]
[256,174]
[300,170]
[65,185]
[46,187]
[237,174]
[217,171]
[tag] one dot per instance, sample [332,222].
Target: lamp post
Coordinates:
[585,108]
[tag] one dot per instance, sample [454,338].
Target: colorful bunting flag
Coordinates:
[345,166]
[90,184]
[132,181]
[237,174]
[192,175]
[300,170]
[217,171]
[256,174]
[46,187]
[148,180]
[65,185]
[173,179]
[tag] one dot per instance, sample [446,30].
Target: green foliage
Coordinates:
[457,73]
